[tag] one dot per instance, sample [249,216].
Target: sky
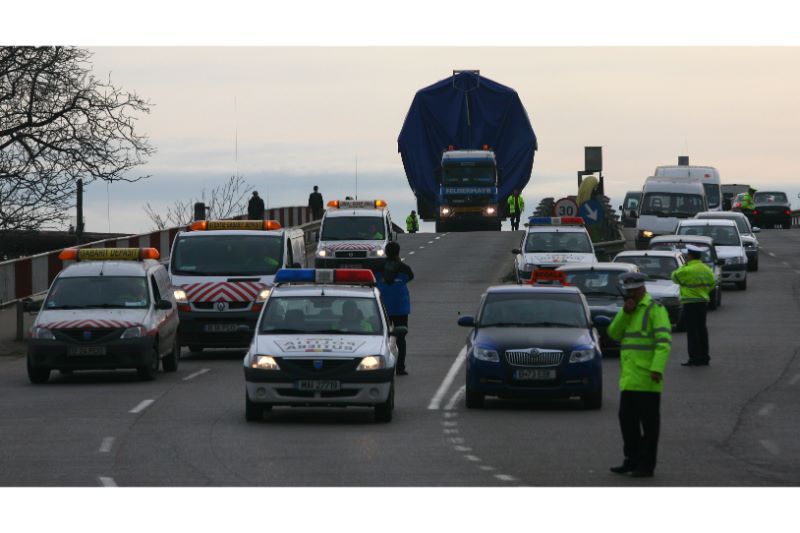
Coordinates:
[287,118]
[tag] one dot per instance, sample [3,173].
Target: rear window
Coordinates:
[722,235]
[533,310]
[654,267]
[770,197]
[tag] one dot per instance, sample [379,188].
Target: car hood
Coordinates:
[520,338]
[90,318]
[662,288]
[304,346]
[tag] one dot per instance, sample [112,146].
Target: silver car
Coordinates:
[746,231]
[678,243]
[659,266]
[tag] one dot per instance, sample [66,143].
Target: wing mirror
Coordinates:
[756,229]
[516,251]
[466,321]
[399,331]
[164,305]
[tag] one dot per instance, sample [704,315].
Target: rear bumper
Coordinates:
[127,353]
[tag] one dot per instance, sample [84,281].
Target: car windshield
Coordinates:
[468,174]
[770,198]
[533,310]
[353,229]
[330,315]
[706,258]
[228,255]
[722,235]
[665,204]
[595,282]
[558,241]
[712,194]
[654,267]
[741,222]
[98,292]
[632,201]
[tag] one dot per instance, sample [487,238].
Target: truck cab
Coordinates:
[468,190]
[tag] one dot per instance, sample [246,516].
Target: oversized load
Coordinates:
[466,145]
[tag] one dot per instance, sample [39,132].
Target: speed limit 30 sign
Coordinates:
[565,208]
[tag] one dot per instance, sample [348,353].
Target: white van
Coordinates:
[665,201]
[707,176]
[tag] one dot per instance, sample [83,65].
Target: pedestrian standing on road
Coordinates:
[643,329]
[315,203]
[696,281]
[412,222]
[255,207]
[392,282]
[516,206]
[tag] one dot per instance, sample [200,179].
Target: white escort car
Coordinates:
[551,242]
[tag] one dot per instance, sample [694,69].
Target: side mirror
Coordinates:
[399,331]
[601,321]
[164,305]
[620,209]
[756,229]
[633,214]
[31,306]
[516,251]
[466,321]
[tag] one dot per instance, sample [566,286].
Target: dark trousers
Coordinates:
[640,421]
[316,212]
[515,221]
[696,331]
[400,320]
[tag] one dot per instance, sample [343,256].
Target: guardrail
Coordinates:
[28,276]
[796,218]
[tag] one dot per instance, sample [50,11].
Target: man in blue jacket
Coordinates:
[392,284]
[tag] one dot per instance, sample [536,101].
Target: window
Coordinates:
[770,197]
[595,282]
[468,174]
[654,267]
[722,235]
[98,292]
[356,228]
[322,315]
[533,310]
[564,242]
[672,204]
[228,255]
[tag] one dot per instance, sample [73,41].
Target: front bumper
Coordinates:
[734,273]
[372,263]
[572,379]
[192,329]
[120,353]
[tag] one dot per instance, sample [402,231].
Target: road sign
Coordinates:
[565,208]
[592,211]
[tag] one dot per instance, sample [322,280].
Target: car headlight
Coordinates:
[322,253]
[486,354]
[734,260]
[42,334]
[529,267]
[133,333]
[263,295]
[490,210]
[371,362]
[264,362]
[180,296]
[646,234]
[582,354]
[445,210]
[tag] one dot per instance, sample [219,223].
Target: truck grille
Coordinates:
[534,357]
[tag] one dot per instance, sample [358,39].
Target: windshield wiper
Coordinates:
[550,325]
[505,325]
[285,330]
[65,307]
[111,306]
[600,293]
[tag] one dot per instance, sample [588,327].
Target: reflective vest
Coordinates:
[747,201]
[511,208]
[645,338]
[696,281]
[412,223]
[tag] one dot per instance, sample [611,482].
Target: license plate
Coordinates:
[350,265]
[86,350]
[322,385]
[532,374]
[220,328]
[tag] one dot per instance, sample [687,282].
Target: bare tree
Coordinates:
[59,123]
[225,201]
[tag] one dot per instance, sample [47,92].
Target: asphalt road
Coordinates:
[733,423]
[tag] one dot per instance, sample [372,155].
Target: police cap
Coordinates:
[632,280]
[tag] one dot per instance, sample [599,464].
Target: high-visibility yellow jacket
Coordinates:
[696,281]
[747,201]
[511,208]
[412,223]
[645,340]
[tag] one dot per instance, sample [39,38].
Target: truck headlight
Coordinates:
[486,354]
[322,253]
[264,362]
[42,334]
[180,296]
[647,234]
[377,253]
[581,355]
[491,210]
[371,362]
[135,332]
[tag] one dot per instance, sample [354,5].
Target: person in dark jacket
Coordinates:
[255,207]
[315,203]
[392,283]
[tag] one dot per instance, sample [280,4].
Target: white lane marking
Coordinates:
[473,458]
[766,410]
[436,401]
[771,254]
[106,481]
[106,445]
[794,379]
[456,440]
[450,423]
[421,247]
[198,373]
[411,253]
[770,446]
[430,242]
[142,406]
[505,477]
[785,263]
[486,467]
[450,414]
[460,448]
[797,271]
[437,238]
[450,431]
[455,398]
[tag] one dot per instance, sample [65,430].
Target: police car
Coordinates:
[323,339]
[551,242]
[222,271]
[109,308]
[354,234]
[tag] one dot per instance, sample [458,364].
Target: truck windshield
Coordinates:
[712,194]
[228,255]
[98,292]
[315,315]
[553,241]
[533,310]
[353,229]
[468,175]
[665,204]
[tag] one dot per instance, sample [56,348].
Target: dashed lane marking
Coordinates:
[437,238]
[770,446]
[456,397]
[460,448]
[771,254]
[505,477]
[106,481]
[766,410]
[142,406]
[795,379]
[436,401]
[785,263]
[487,468]
[106,445]
[195,374]
[421,247]
[430,242]
[411,253]
[473,458]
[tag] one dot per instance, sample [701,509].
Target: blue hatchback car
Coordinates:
[534,342]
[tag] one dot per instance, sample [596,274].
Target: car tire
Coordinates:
[254,412]
[170,362]
[148,372]
[37,375]
[742,285]
[593,400]
[474,399]
[385,410]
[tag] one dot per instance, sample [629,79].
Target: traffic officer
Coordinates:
[696,281]
[643,329]
[516,206]
[392,283]
[747,200]
[412,222]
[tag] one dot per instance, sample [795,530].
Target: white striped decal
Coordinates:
[350,247]
[223,291]
[89,324]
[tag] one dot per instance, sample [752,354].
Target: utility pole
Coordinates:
[79,221]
